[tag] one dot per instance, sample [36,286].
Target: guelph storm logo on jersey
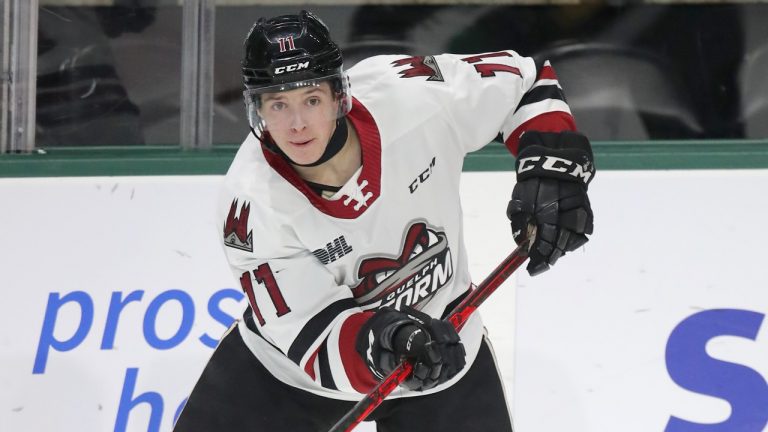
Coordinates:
[423,267]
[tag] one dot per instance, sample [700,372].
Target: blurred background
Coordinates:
[86,73]
[118,118]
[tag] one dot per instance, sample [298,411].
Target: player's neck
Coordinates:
[341,167]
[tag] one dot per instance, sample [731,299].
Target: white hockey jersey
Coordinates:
[314,269]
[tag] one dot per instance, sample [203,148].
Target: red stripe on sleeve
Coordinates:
[309,368]
[361,378]
[547,72]
[555,121]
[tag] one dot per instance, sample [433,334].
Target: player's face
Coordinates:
[301,121]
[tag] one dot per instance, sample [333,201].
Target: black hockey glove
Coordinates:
[391,336]
[553,172]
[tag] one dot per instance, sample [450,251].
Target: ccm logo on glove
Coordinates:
[391,336]
[564,156]
[557,164]
[553,172]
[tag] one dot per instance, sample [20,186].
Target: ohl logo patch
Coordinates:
[236,234]
[423,267]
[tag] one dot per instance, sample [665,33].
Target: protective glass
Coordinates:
[282,106]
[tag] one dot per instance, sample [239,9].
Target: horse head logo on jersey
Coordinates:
[423,267]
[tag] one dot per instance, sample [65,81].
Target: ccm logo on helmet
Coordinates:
[556,164]
[291,68]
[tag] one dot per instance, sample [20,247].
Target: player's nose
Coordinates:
[298,122]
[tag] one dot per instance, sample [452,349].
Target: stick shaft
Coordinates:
[458,317]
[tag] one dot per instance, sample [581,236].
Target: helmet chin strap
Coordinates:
[335,144]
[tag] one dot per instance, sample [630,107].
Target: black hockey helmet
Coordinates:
[289,48]
[289,52]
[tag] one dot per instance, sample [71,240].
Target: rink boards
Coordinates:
[115,291]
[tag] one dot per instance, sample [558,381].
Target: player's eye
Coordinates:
[313,101]
[277,106]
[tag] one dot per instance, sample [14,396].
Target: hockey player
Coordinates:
[342,223]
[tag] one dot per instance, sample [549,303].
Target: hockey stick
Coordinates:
[458,317]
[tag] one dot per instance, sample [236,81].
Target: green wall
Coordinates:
[630,155]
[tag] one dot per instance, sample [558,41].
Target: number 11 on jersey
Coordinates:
[263,275]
